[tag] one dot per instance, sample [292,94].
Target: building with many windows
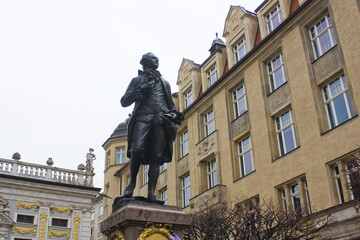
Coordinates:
[271,114]
[45,202]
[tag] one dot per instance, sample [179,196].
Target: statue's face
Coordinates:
[151,62]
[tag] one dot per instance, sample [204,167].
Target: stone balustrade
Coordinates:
[45,172]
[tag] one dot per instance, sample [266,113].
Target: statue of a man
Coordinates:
[151,128]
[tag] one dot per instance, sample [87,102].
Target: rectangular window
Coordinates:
[59,222]
[145,174]
[273,19]
[91,231]
[101,210]
[209,125]
[212,77]
[276,72]
[239,101]
[184,143]
[338,185]
[188,99]
[120,155]
[25,219]
[240,50]
[211,173]
[299,199]
[185,186]
[108,159]
[246,164]
[353,176]
[322,36]
[92,216]
[295,197]
[164,196]
[163,167]
[337,102]
[285,132]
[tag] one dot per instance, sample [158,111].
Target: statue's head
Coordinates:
[149,60]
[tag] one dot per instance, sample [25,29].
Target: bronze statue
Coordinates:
[152,126]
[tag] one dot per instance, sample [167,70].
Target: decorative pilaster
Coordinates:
[76,227]
[43,218]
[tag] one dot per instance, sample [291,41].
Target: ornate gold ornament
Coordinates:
[155,229]
[59,234]
[61,210]
[117,234]
[24,230]
[76,227]
[27,205]
[43,217]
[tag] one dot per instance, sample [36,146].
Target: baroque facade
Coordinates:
[270,115]
[45,202]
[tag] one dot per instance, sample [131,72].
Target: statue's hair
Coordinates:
[145,57]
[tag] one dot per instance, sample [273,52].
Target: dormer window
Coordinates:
[240,50]
[273,19]
[188,99]
[211,76]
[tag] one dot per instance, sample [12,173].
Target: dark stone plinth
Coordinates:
[133,215]
[121,201]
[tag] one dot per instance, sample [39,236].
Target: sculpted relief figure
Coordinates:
[152,126]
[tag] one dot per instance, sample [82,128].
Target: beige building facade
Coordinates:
[270,115]
[39,202]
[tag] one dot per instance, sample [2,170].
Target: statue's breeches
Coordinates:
[148,142]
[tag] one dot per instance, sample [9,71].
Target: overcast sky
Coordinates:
[64,66]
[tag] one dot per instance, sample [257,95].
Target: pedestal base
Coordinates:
[136,219]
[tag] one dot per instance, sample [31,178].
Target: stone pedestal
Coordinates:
[141,220]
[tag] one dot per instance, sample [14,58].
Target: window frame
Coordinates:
[211,173]
[108,159]
[280,132]
[271,74]
[26,215]
[145,174]
[316,45]
[274,12]
[241,156]
[163,167]
[331,115]
[239,47]
[209,124]
[211,76]
[164,195]
[57,218]
[188,97]
[287,195]
[120,155]
[184,143]
[236,100]
[185,190]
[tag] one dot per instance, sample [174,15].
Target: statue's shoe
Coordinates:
[129,190]
[154,199]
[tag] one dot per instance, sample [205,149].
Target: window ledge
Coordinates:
[206,137]
[239,116]
[355,116]
[286,154]
[324,54]
[277,88]
[183,157]
[238,179]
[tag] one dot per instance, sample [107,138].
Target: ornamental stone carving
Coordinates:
[207,146]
